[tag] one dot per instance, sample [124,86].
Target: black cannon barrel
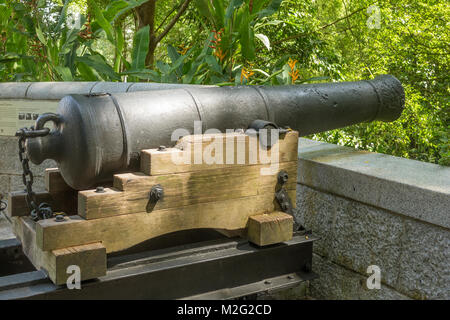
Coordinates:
[98,136]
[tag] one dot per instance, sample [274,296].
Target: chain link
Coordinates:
[3,204]
[37,211]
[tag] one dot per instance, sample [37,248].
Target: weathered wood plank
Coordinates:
[124,231]
[63,201]
[54,182]
[181,189]
[17,203]
[207,152]
[271,228]
[90,258]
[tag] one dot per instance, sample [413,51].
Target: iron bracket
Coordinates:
[284,200]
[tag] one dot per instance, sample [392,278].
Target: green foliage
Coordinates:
[270,42]
[412,44]
[63,51]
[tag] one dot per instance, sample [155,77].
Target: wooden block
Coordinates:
[90,258]
[226,150]
[54,182]
[65,202]
[131,192]
[124,231]
[266,229]
[17,203]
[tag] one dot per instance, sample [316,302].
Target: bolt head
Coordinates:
[156,193]
[283,177]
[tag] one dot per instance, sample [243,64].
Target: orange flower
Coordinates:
[292,63]
[294,75]
[246,73]
[219,54]
[217,38]
[183,49]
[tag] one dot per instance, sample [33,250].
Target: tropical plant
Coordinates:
[228,42]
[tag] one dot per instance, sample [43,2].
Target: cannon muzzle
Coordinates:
[97,136]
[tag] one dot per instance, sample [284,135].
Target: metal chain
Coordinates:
[38,211]
[3,204]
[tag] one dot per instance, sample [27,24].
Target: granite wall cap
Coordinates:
[417,189]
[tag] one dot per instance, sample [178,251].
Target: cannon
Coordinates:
[96,136]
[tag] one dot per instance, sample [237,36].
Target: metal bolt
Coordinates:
[100,189]
[156,193]
[283,177]
[161,148]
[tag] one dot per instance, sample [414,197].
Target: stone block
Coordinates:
[424,263]
[412,188]
[338,283]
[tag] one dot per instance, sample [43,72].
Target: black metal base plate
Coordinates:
[215,269]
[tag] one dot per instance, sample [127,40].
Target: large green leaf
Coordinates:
[40,35]
[86,72]
[205,9]
[273,7]
[231,7]
[140,48]
[103,22]
[144,74]
[62,16]
[212,62]
[173,54]
[219,13]
[98,63]
[64,73]
[113,8]
[247,37]
[177,59]
[120,42]
[116,8]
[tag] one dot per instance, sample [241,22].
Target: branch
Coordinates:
[173,21]
[299,35]
[340,19]
[167,17]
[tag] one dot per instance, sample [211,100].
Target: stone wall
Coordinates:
[374,209]
[11,168]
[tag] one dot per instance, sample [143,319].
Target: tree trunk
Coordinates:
[146,16]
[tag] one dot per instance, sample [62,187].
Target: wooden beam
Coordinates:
[17,203]
[90,258]
[63,201]
[131,192]
[124,231]
[271,228]
[231,149]
[54,182]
